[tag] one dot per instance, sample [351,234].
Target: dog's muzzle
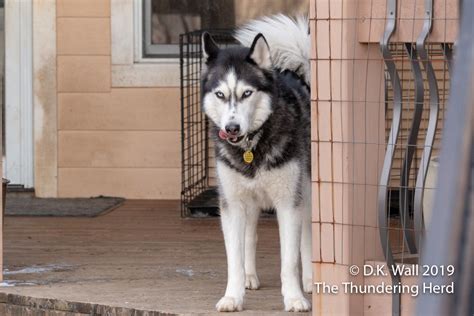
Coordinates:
[234,140]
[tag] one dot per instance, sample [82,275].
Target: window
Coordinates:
[165,20]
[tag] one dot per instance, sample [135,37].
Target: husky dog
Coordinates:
[257,99]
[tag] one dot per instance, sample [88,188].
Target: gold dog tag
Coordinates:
[248,156]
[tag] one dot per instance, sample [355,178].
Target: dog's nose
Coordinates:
[232,129]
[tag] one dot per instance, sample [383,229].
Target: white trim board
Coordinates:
[45,98]
[19,158]
[129,69]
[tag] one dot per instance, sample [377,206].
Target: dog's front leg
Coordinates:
[233,226]
[251,278]
[289,222]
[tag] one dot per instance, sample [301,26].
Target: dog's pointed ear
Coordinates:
[209,47]
[260,52]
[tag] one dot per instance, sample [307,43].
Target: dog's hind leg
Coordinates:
[233,226]
[306,248]
[251,238]
[306,239]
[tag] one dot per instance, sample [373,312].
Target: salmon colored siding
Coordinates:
[110,141]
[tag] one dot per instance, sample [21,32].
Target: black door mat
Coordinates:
[27,205]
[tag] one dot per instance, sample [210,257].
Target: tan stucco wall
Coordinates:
[109,141]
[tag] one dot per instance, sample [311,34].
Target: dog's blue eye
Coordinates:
[220,95]
[247,93]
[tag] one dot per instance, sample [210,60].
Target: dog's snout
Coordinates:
[232,129]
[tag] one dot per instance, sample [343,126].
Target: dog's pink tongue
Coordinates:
[223,135]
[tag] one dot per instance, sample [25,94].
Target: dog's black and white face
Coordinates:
[236,86]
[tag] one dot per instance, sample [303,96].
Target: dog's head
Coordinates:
[237,85]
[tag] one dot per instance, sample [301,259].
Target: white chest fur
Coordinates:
[267,188]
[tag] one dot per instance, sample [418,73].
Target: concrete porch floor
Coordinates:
[140,259]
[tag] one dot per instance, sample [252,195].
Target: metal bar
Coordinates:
[181,80]
[181,88]
[411,148]
[450,237]
[188,128]
[392,139]
[448,55]
[206,124]
[432,122]
[465,277]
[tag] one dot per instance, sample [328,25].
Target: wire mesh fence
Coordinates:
[381,80]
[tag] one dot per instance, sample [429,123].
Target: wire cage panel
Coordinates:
[198,185]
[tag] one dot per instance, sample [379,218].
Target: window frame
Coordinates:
[149,50]
[129,68]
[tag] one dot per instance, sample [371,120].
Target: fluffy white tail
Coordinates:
[288,38]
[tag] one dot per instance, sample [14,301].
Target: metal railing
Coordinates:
[420,56]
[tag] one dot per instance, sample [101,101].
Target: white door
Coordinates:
[19,160]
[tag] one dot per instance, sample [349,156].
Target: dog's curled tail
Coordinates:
[288,38]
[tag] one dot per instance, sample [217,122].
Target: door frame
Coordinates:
[19,145]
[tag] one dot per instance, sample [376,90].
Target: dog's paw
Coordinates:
[252,282]
[299,304]
[308,285]
[229,304]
